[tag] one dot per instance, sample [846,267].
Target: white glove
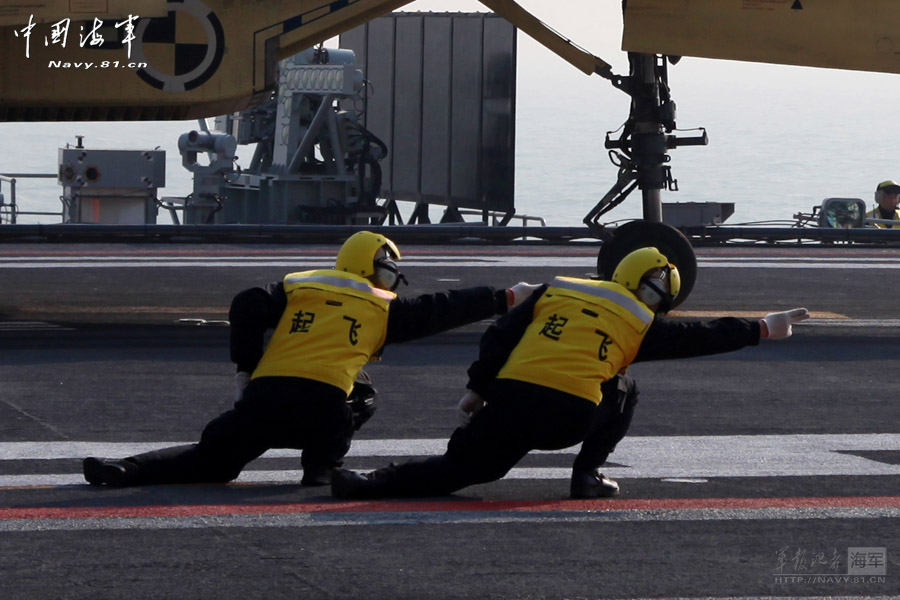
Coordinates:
[469,404]
[778,325]
[517,294]
[241,379]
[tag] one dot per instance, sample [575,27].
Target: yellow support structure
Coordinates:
[861,35]
[581,59]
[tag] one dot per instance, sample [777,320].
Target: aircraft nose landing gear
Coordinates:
[665,238]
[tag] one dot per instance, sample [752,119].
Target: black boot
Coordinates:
[351,485]
[592,484]
[114,473]
[316,476]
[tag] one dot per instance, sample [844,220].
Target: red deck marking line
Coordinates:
[303,252]
[388,506]
[124,253]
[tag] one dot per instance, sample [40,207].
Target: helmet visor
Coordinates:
[387,274]
[663,284]
[658,279]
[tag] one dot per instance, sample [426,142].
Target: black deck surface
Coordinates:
[803,471]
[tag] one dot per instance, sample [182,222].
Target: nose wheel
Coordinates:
[665,238]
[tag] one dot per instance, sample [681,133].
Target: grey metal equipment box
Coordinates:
[111,186]
[441,91]
[695,214]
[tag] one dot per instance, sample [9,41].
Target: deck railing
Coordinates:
[9,208]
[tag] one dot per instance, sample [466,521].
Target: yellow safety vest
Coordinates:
[333,323]
[583,333]
[876,214]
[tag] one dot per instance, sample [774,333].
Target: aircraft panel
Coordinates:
[465,110]
[842,34]
[445,111]
[435,109]
[498,116]
[406,165]
[380,110]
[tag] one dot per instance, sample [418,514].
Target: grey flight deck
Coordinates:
[754,474]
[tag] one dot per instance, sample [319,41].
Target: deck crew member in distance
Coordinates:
[887,198]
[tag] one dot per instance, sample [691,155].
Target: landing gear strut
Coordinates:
[640,151]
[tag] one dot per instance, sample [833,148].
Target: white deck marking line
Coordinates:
[654,457]
[440,518]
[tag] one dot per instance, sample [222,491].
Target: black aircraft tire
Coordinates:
[640,234]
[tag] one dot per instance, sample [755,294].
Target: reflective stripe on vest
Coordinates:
[332,325]
[620,296]
[582,333]
[336,279]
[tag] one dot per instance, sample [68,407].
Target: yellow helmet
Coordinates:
[632,270]
[358,255]
[886,187]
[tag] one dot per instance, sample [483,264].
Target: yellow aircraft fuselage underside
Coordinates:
[861,35]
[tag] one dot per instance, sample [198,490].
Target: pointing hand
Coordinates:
[777,325]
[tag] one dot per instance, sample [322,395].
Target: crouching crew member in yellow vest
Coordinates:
[579,334]
[543,370]
[306,389]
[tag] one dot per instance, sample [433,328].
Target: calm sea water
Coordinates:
[781,140]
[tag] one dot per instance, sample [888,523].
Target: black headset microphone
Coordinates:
[390,266]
